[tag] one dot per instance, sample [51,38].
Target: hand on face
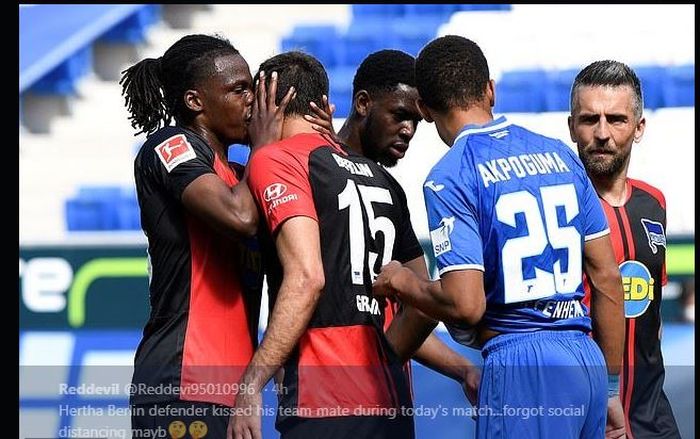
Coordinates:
[267,117]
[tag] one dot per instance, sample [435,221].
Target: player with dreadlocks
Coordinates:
[202,329]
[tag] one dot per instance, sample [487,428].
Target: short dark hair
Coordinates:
[383,71]
[609,73]
[451,71]
[154,88]
[302,71]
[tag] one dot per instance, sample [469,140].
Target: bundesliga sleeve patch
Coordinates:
[174,151]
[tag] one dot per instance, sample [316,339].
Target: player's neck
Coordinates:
[350,137]
[212,140]
[456,119]
[296,125]
[611,189]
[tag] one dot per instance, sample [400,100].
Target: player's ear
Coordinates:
[362,102]
[491,92]
[572,133]
[424,110]
[639,129]
[193,100]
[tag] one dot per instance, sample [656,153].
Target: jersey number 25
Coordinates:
[542,231]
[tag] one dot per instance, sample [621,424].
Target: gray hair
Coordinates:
[609,73]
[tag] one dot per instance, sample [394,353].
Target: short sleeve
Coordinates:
[453,222]
[596,224]
[177,161]
[279,182]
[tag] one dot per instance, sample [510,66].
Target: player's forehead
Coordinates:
[231,68]
[400,97]
[605,99]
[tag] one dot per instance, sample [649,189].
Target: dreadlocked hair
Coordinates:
[153,89]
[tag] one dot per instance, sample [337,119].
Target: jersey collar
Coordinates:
[494,125]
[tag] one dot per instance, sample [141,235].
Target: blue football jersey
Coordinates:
[518,206]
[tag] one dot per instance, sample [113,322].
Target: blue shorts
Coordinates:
[544,384]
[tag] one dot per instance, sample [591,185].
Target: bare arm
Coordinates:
[408,331]
[299,249]
[437,356]
[231,212]
[457,297]
[410,327]
[607,312]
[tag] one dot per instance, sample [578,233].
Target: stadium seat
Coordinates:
[679,86]
[319,41]
[362,38]
[238,153]
[128,214]
[341,89]
[62,80]
[377,11]
[484,7]
[413,33]
[133,28]
[422,11]
[83,215]
[557,92]
[521,91]
[651,78]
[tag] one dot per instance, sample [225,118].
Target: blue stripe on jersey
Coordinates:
[519,206]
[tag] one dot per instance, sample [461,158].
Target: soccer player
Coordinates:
[202,328]
[333,218]
[606,119]
[381,124]
[514,222]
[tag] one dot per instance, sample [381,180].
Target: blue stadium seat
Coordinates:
[362,38]
[484,7]
[128,214]
[651,78]
[557,92]
[319,41]
[429,11]
[133,28]
[377,10]
[239,154]
[521,92]
[413,33]
[55,41]
[679,86]
[62,80]
[84,215]
[341,89]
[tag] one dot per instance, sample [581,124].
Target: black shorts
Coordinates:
[348,427]
[179,419]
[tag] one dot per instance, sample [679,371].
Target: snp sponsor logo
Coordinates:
[655,234]
[639,287]
[367,304]
[275,195]
[440,237]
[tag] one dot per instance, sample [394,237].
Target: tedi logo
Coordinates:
[639,288]
[275,190]
[655,234]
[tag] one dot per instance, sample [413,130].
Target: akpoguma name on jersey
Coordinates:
[520,166]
